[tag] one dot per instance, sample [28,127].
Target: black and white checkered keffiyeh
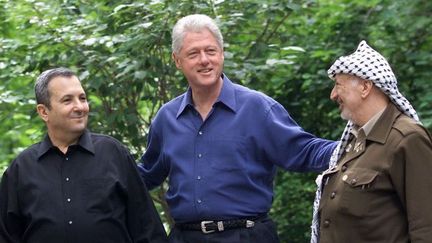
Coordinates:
[367,64]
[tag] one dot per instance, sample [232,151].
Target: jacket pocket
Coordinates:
[358,191]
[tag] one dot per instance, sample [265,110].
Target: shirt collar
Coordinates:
[84,141]
[367,127]
[371,123]
[186,102]
[227,94]
[226,97]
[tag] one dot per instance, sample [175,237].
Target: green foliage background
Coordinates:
[121,49]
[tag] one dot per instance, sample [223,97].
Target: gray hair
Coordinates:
[41,86]
[194,23]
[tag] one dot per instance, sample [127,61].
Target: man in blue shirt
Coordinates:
[219,144]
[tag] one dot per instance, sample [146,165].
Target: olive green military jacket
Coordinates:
[381,190]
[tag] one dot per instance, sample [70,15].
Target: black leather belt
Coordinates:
[210,226]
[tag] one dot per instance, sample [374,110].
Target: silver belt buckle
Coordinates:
[204,229]
[250,223]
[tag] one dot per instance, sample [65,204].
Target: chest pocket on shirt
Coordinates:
[227,154]
[358,187]
[97,194]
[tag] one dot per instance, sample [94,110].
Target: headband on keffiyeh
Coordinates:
[368,64]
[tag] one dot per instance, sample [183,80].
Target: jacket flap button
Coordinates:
[333,195]
[344,168]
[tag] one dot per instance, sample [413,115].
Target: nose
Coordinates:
[80,105]
[203,57]
[333,94]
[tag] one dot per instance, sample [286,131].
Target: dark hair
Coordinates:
[41,86]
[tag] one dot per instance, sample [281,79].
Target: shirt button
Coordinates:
[199,201]
[200,132]
[326,223]
[67,158]
[70,222]
[199,155]
[333,195]
[68,200]
[67,178]
[198,177]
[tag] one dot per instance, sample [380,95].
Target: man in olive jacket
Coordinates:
[379,184]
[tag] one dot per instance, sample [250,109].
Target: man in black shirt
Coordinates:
[74,186]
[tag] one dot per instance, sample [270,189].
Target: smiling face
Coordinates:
[347,93]
[68,111]
[200,59]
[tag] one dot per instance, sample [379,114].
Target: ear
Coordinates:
[176,59]
[366,86]
[42,110]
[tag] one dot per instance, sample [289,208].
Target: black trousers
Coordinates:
[264,231]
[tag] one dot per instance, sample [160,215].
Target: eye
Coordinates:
[192,54]
[211,51]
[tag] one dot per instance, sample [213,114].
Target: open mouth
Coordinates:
[205,70]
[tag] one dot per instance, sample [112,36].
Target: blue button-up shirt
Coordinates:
[223,167]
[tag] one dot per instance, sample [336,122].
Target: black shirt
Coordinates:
[91,194]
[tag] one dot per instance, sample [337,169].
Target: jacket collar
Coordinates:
[383,126]
[379,133]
